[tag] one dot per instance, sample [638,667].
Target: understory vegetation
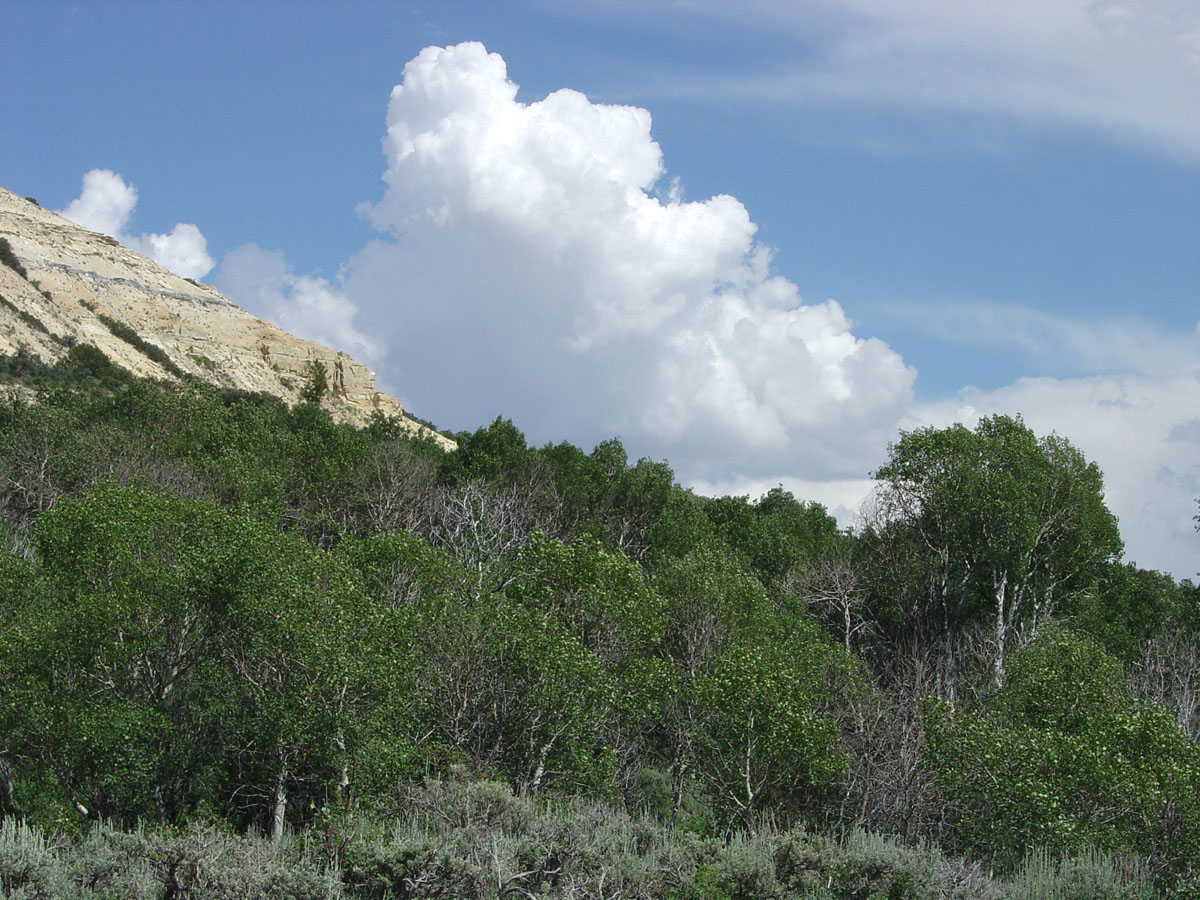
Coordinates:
[245,651]
[476,840]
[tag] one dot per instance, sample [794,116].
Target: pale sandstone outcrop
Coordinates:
[76,275]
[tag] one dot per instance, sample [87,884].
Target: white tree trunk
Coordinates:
[1001,589]
[280,809]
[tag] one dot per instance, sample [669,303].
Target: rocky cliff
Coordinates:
[85,287]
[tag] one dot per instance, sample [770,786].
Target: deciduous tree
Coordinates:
[992,525]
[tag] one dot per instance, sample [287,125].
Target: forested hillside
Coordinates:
[239,641]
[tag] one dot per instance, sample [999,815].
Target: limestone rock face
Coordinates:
[76,278]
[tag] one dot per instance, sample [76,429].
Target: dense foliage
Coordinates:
[220,613]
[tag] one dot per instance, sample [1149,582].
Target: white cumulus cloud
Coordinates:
[536,272]
[105,205]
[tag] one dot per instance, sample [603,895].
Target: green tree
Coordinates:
[776,537]
[604,600]
[998,527]
[103,667]
[603,597]
[20,593]
[497,453]
[1064,757]
[1127,607]
[712,606]
[180,654]
[34,439]
[316,381]
[508,689]
[295,642]
[584,483]
[410,587]
[761,738]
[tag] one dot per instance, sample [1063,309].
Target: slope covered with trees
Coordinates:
[217,612]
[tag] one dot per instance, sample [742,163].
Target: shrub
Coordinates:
[31,320]
[10,259]
[203,362]
[1090,875]
[150,351]
[24,365]
[419,420]
[26,860]
[409,868]
[89,361]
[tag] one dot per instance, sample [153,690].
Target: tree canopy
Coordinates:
[996,527]
[214,607]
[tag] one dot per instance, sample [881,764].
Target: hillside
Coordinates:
[80,286]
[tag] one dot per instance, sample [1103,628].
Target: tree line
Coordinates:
[214,607]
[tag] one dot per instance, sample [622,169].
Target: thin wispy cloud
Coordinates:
[1127,69]
[1050,341]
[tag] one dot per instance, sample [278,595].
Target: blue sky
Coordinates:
[1002,200]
